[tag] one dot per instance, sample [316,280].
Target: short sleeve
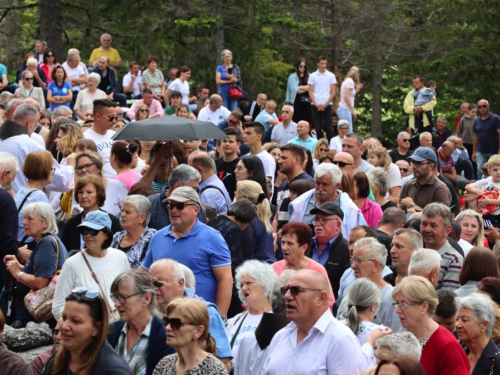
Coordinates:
[475,129]
[220,255]
[174,85]
[51,86]
[310,80]
[394,176]
[349,83]
[44,261]
[333,80]
[3,69]
[160,75]
[146,77]
[497,123]
[67,85]
[127,79]
[148,259]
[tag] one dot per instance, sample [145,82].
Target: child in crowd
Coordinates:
[380,159]
[424,96]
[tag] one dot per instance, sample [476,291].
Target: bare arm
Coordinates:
[117,65]
[311,96]
[224,288]
[394,194]
[474,147]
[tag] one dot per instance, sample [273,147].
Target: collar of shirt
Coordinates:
[323,257]
[193,232]
[430,181]
[145,333]
[208,181]
[321,324]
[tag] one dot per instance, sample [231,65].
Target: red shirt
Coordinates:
[442,355]
[446,164]
[457,120]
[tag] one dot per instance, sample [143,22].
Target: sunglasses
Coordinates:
[50,55]
[404,170]
[29,79]
[158,283]
[406,140]
[144,110]
[85,166]
[341,164]
[87,293]
[179,206]
[112,118]
[93,232]
[481,106]
[295,290]
[175,323]
[323,149]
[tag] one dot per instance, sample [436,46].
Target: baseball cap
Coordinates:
[423,153]
[96,220]
[183,194]
[329,208]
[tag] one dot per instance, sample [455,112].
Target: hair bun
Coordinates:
[261,197]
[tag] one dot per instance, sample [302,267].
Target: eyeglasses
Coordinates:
[122,299]
[406,140]
[323,149]
[358,261]
[322,220]
[86,293]
[482,106]
[29,79]
[53,170]
[179,206]
[93,232]
[341,164]
[85,166]
[112,118]
[404,170]
[414,163]
[158,283]
[403,305]
[144,110]
[175,323]
[295,290]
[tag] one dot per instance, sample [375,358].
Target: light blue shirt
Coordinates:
[282,135]
[310,142]
[218,199]
[263,117]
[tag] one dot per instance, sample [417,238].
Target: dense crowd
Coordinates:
[291,246]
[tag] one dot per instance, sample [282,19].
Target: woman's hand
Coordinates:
[376,334]
[12,265]
[23,254]
[354,114]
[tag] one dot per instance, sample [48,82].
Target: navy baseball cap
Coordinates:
[423,153]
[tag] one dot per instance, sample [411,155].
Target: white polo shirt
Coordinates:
[219,115]
[322,83]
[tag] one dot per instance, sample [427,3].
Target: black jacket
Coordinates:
[8,232]
[338,261]
[71,233]
[484,363]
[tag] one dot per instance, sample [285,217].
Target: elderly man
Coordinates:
[286,129]
[329,247]
[485,136]
[75,73]
[106,50]
[327,179]
[170,282]
[303,138]
[344,161]
[426,187]
[197,246]
[9,113]
[214,112]
[425,139]
[442,132]
[435,227]
[353,144]
[132,81]
[211,189]
[425,263]
[445,156]
[256,107]
[108,81]
[314,342]
[402,343]
[154,106]
[403,151]
[268,119]
[343,129]
[404,168]
[405,242]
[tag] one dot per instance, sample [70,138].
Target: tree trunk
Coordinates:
[219,40]
[51,25]
[377,75]
[336,48]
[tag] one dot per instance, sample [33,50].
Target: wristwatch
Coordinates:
[412,205]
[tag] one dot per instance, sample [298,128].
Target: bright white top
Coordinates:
[74,73]
[393,175]
[219,115]
[247,329]
[322,85]
[182,87]
[336,144]
[138,81]
[104,144]
[76,273]
[269,164]
[347,84]
[466,246]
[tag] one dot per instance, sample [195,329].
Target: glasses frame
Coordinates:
[323,220]
[123,299]
[93,232]
[295,290]
[175,323]
[158,283]
[112,118]
[358,261]
[179,206]
[85,166]
[341,164]
[404,305]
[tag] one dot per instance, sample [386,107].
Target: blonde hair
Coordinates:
[381,153]
[72,134]
[254,193]
[494,160]
[478,241]
[419,290]
[138,111]
[321,142]
[353,73]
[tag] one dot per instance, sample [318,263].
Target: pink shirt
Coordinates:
[372,213]
[280,266]
[154,108]
[347,84]
[128,178]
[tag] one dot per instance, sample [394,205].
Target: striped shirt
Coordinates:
[451,264]
[136,358]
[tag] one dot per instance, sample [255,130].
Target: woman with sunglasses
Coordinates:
[59,91]
[49,62]
[186,323]
[85,349]
[142,112]
[297,92]
[134,296]
[97,254]
[320,151]
[29,91]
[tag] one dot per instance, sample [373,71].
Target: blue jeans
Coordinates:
[481,159]
[229,103]
[345,114]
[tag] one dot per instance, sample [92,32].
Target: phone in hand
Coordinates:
[230,70]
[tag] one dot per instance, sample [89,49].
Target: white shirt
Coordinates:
[219,115]
[347,84]
[103,143]
[322,85]
[182,87]
[466,246]
[138,81]
[85,100]
[329,348]
[336,144]
[37,137]
[393,175]
[248,328]
[74,73]
[269,164]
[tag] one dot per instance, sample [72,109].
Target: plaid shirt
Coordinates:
[136,358]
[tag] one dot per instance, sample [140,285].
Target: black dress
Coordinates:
[302,104]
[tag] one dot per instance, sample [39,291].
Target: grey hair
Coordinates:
[375,250]
[289,106]
[378,177]
[4,96]
[362,294]
[31,60]
[225,52]
[189,279]
[26,72]
[414,241]
[183,174]
[401,343]
[141,284]
[278,303]
[141,205]
[261,272]
[482,308]
[424,260]
[7,160]
[400,134]
[324,168]
[422,134]
[72,55]
[12,103]
[271,101]
[62,111]
[433,209]
[45,212]
[442,118]
[106,34]
[356,136]
[24,112]
[94,76]
[178,271]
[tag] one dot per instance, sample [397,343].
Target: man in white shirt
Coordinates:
[253,133]
[75,74]
[314,342]
[81,64]
[214,112]
[286,129]
[104,119]
[322,88]
[132,82]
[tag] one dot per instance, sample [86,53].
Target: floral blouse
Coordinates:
[210,366]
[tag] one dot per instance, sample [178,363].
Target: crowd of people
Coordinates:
[291,246]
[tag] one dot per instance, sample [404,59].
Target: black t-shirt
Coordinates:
[396,156]
[225,172]
[455,205]
[388,205]
[105,83]
[385,240]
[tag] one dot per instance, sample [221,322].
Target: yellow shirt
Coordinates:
[112,54]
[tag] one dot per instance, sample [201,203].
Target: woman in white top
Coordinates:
[180,84]
[472,229]
[86,97]
[348,90]
[336,142]
[254,281]
[106,262]
[29,91]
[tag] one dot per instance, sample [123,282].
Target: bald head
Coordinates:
[302,128]
[447,149]
[33,102]
[313,279]
[215,102]
[345,158]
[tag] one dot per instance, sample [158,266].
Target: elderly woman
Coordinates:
[59,92]
[8,171]
[135,298]
[29,91]
[371,210]
[48,257]
[336,142]
[472,227]
[40,80]
[475,319]
[85,349]
[134,239]
[227,76]
[96,266]
[254,281]
[186,323]
[479,263]
[379,183]
[153,79]
[86,97]
[415,300]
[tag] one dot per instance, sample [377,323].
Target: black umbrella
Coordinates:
[168,128]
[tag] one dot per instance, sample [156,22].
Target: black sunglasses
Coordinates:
[158,283]
[481,106]
[175,323]
[295,290]
[29,79]
[341,164]
[85,231]
[179,206]
[404,170]
[50,55]
[406,140]
[112,118]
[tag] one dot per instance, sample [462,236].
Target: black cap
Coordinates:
[329,208]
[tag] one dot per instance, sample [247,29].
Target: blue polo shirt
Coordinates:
[201,249]
[309,143]
[487,132]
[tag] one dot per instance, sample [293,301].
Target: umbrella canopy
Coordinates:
[168,128]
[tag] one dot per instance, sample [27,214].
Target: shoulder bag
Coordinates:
[234,92]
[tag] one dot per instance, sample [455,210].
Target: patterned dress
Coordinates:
[210,366]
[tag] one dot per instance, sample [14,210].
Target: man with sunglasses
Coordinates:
[195,245]
[485,138]
[344,161]
[403,151]
[404,168]
[314,342]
